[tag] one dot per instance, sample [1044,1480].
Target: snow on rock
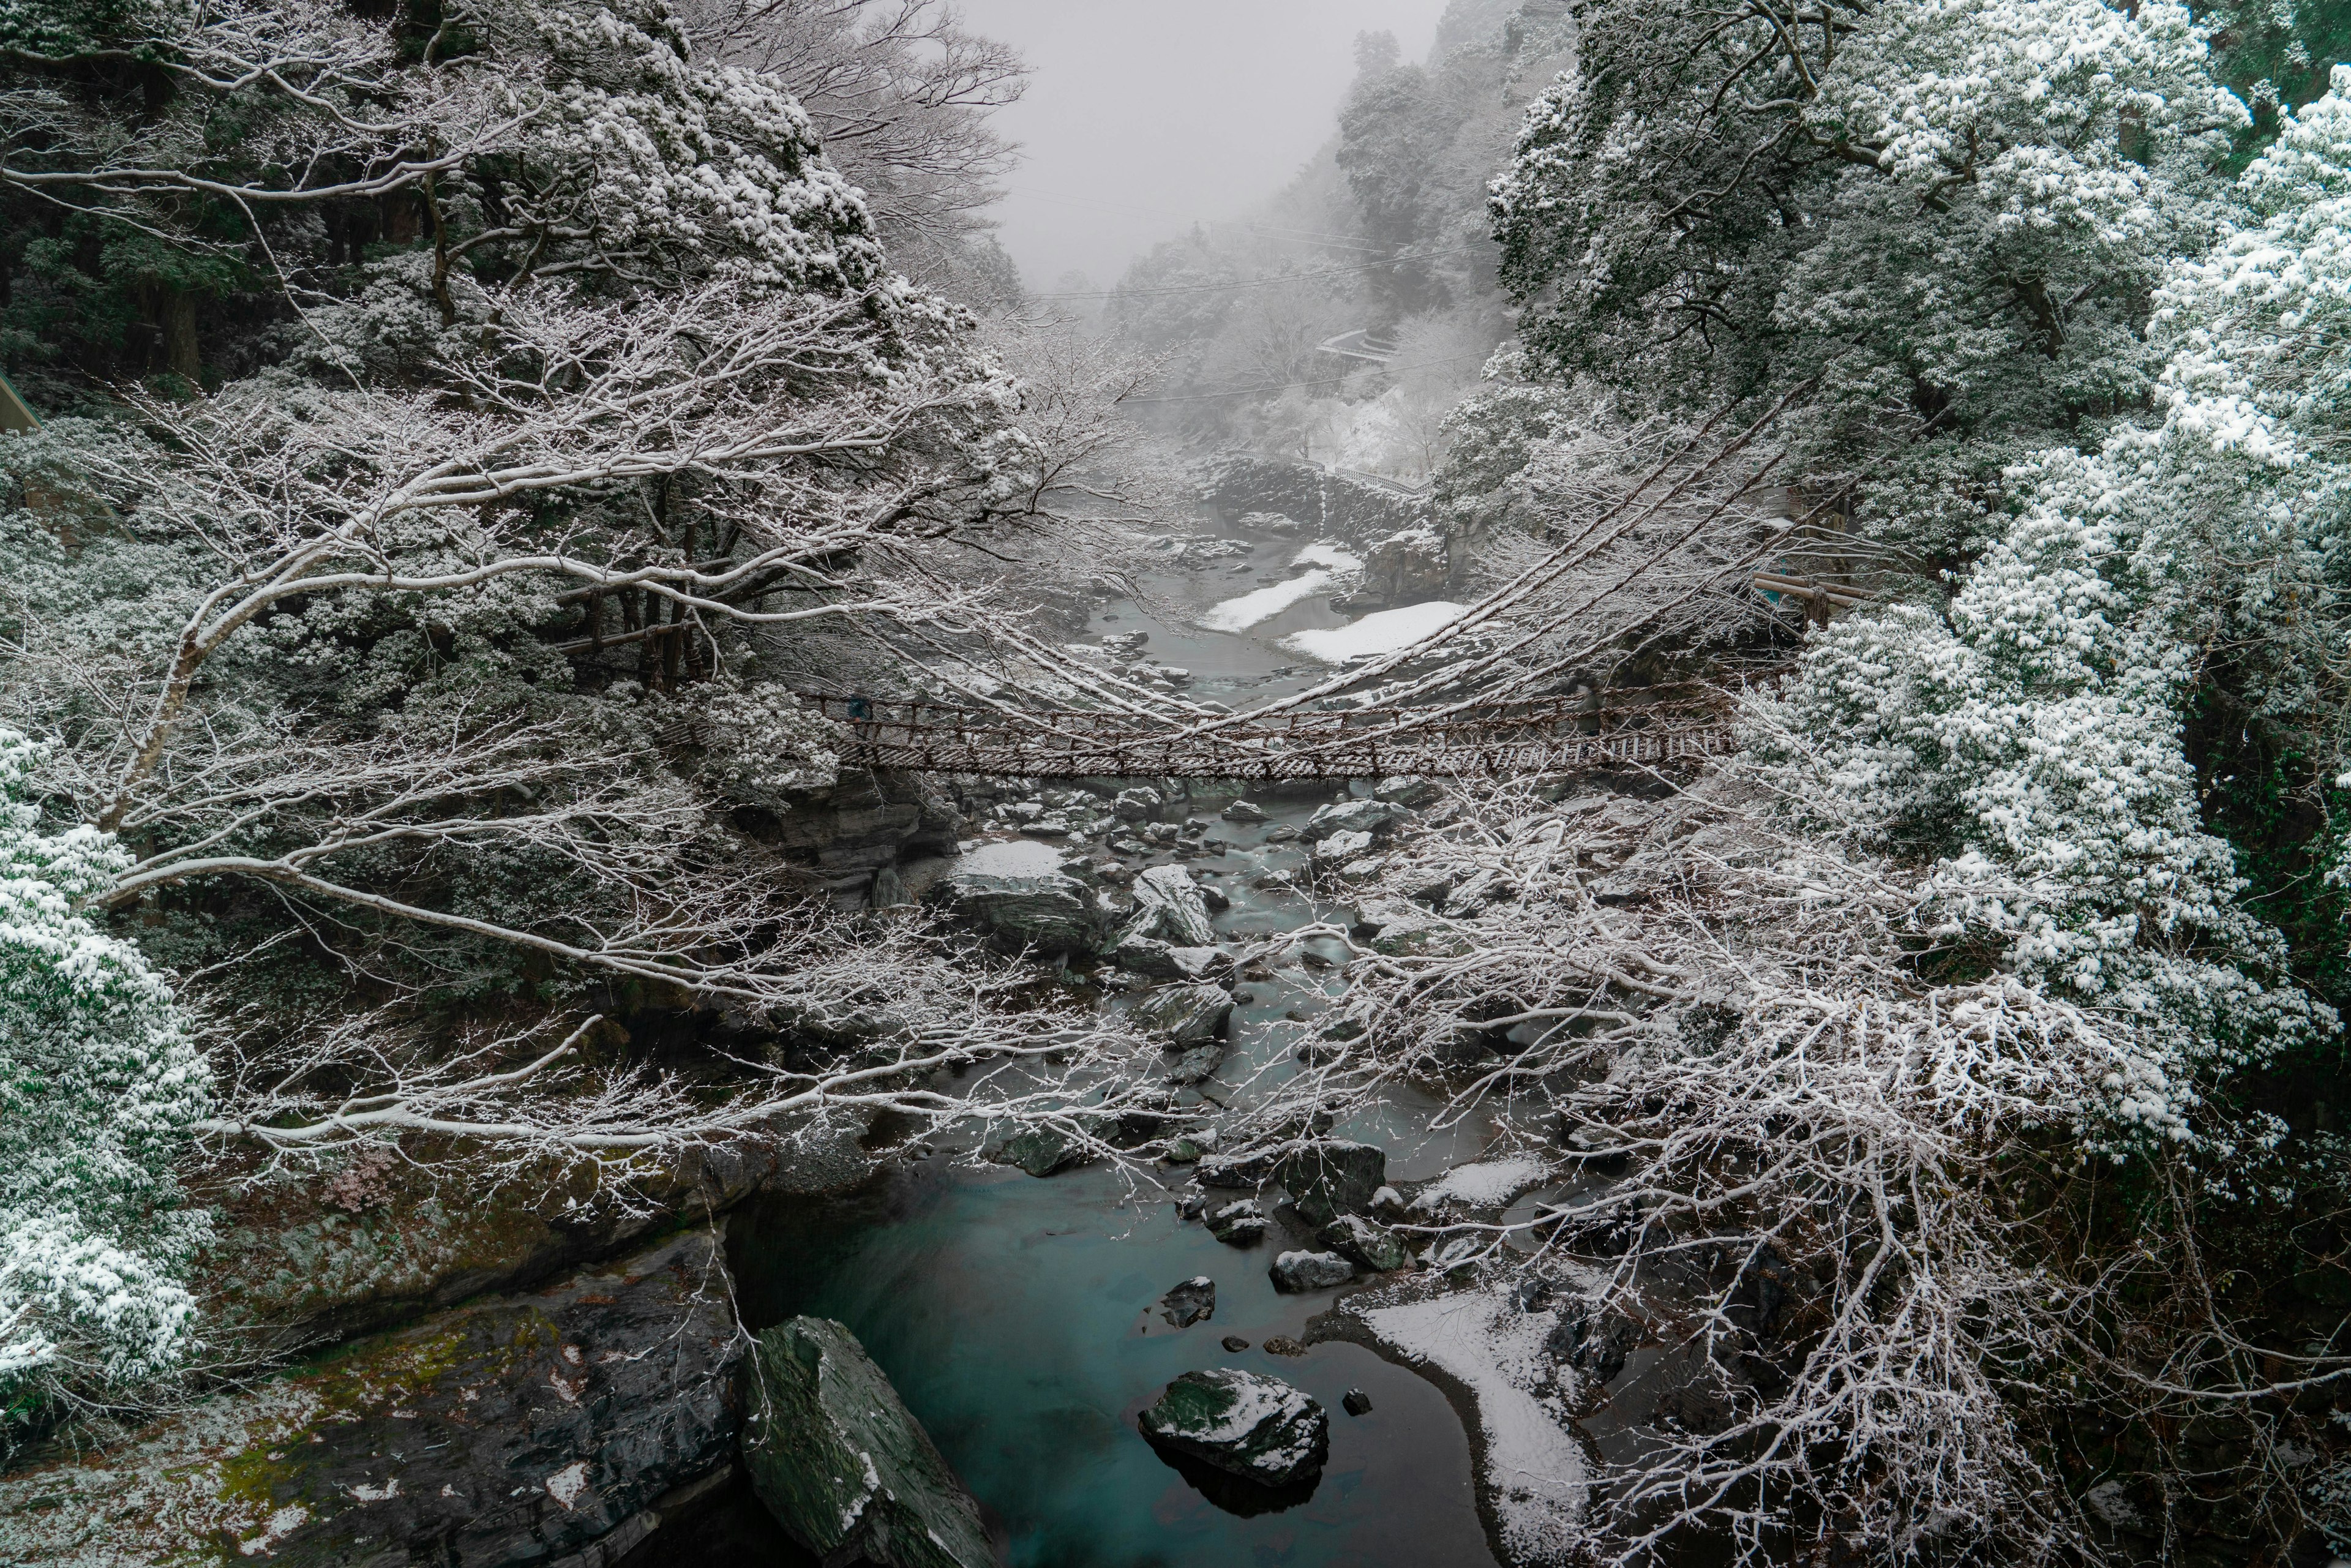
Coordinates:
[1486,1184]
[1011,857]
[1382,632]
[1254,1427]
[1331,556]
[1534,1468]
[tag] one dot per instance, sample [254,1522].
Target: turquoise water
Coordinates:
[1015,1317]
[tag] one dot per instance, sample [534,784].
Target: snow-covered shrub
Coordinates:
[99,1086]
[765,745]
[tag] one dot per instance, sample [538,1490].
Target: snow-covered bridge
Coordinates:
[1655,726]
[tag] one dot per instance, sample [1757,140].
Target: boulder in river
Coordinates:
[1195,1065]
[843,1465]
[521,1429]
[1166,961]
[1045,1150]
[1333,1177]
[1298,1273]
[1019,896]
[1240,1224]
[1192,1302]
[1373,817]
[1137,805]
[1168,906]
[1248,1171]
[1373,1247]
[1185,1015]
[1244,811]
[1256,1427]
[1341,847]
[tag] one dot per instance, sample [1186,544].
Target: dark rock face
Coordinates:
[532,1430]
[1370,1246]
[1185,1015]
[544,1422]
[1051,913]
[1259,1429]
[385,1242]
[1245,1171]
[1044,1151]
[1196,1064]
[1594,1343]
[1192,1302]
[1298,1273]
[1408,567]
[1327,503]
[843,1465]
[864,823]
[1331,1178]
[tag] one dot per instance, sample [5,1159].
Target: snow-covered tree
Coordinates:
[99,1085]
[1946,218]
[428,638]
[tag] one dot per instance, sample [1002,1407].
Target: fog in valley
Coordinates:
[1058,784]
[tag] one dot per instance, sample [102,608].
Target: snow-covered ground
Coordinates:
[1535,1468]
[1487,1185]
[1011,857]
[1330,565]
[1382,632]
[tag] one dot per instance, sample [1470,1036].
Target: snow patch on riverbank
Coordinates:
[1383,632]
[1534,1467]
[1330,565]
[1487,1185]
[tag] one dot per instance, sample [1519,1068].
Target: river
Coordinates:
[1015,1315]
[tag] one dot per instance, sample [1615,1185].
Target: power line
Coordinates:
[1256,282]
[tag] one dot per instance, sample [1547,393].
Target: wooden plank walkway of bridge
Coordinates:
[1659,726]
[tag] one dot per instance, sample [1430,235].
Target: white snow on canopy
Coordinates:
[1534,1468]
[1010,857]
[1383,632]
[1239,614]
[1486,1184]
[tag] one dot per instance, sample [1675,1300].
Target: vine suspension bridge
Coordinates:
[1653,726]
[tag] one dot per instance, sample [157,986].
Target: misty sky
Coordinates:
[1143,116]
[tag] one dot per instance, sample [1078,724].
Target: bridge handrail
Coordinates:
[923,713]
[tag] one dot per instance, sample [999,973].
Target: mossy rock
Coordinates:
[842,1463]
[517,1430]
